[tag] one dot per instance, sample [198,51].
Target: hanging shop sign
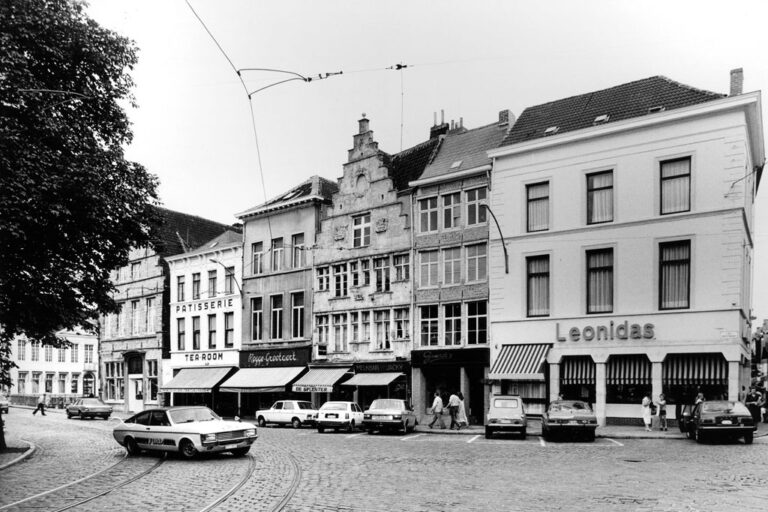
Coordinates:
[610,332]
[382,367]
[275,357]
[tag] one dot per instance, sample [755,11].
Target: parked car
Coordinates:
[89,408]
[288,412]
[338,415]
[506,414]
[389,414]
[572,417]
[718,418]
[5,404]
[186,430]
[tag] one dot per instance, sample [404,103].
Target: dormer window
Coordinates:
[657,108]
[551,130]
[601,119]
[456,164]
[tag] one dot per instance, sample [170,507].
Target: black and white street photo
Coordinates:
[341,256]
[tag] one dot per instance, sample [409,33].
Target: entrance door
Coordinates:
[135,393]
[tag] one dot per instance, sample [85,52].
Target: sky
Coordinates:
[193,127]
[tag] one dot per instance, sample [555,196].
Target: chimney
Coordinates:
[737,81]
[363,124]
[438,129]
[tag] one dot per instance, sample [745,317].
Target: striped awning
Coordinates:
[261,380]
[372,379]
[319,380]
[577,370]
[628,369]
[195,380]
[696,369]
[520,362]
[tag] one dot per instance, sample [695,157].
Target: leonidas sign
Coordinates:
[622,331]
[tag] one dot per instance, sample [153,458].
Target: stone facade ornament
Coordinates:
[340,233]
[381,225]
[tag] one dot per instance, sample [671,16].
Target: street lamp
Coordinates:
[503,244]
[226,269]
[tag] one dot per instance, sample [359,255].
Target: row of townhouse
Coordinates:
[599,246]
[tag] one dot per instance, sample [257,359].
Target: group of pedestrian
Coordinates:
[658,409]
[455,409]
[756,403]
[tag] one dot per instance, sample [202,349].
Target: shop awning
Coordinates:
[630,369]
[577,370]
[261,380]
[695,369]
[195,380]
[319,380]
[372,379]
[520,362]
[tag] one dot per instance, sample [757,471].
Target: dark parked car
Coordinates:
[389,414]
[572,417]
[717,418]
[89,408]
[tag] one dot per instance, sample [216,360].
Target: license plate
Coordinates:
[230,446]
[505,421]
[331,415]
[381,417]
[727,422]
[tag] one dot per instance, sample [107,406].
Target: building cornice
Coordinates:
[451,176]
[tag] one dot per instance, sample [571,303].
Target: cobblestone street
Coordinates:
[301,470]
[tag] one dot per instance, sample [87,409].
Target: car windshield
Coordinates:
[569,407]
[387,404]
[93,401]
[190,415]
[333,406]
[507,403]
[305,405]
[726,407]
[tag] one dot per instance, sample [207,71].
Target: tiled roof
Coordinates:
[228,238]
[408,165]
[180,232]
[316,186]
[626,101]
[464,150]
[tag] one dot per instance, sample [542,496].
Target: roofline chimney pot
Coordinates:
[737,81]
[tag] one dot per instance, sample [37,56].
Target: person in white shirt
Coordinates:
[40,405]
[437,411]
[453,409]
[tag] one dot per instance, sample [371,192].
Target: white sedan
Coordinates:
[337,415]
[288,412]
[187,430]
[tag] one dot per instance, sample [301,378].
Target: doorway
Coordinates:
[135,393]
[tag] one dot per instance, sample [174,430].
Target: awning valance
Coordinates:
[195,380]
[577,370]
[695,369]
[372,379]
[319,380]
[520,362]
[628,369]
[261,380]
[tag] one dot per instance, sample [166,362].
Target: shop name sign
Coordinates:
[206,305]
[204,356]
[270,359]
[275,358]
[613,331]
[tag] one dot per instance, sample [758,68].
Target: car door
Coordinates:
[274,414]
[289,409]
[74,409]
[141,431]
[358,414]
[160,431]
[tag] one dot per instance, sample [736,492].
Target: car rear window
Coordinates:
[333,406]
[305,405]
[93,401]
[569,407]
[387,404]
[725,407]
[506,403]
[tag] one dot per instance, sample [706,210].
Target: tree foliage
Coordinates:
[71,205]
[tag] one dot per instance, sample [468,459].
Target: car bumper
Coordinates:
[506,427]
[567,427]
[382,424]
[222,446]
[332,423]
[737,430]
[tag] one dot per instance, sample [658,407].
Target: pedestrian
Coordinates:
[662,407]
[752,401]
[647,415]
[699,398]
[40,405]
[462,416]
[560,396]
[437,411]
[453,410]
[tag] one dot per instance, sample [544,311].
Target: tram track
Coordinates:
[294,483]
[236,487]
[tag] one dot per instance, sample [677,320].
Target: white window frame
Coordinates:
[474,206]
[428,215]
[361,230]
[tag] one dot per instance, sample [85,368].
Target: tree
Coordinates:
[71,206]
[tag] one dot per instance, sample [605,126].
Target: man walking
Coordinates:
[752,401]
[437,411]
[40,405]
[453,410]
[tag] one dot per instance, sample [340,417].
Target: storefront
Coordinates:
[521,370]
[386,379]
[449,371]
[200,386]
[264,377]
[324,383]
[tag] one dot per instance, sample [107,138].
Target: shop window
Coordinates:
[627,379]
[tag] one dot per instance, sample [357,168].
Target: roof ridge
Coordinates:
[692,88]
[190,215]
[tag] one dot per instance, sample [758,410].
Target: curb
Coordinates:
[21,457]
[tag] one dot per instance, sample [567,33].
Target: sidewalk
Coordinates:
[612,431]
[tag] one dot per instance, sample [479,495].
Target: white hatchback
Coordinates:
[338,415]
[288,412]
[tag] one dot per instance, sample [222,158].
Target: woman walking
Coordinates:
[662,412]
[647,415]
[462,414]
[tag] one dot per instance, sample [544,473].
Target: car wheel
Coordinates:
[689,434]
[320,429]
[488,433]
[106,418]
[350,426]
[370,431]
[131,447]
[590,436]
[187,449]
[296,423]
[749,437]
[69,415]
[262,422]
[523,434]
[240,451]
[698,435]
